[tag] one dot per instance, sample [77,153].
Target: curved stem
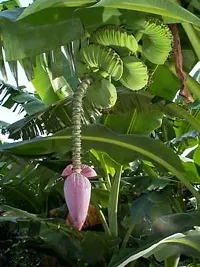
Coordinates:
[108,183]
[102,218]
[172,261]
[127,235]
[76,123]
[113,203]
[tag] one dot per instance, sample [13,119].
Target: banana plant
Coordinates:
[117,52]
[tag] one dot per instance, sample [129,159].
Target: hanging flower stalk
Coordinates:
[76,124]
[111,53]
[77,187]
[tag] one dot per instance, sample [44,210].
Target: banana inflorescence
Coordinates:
[116,38]
[156,42]
[113,53]
[103,59]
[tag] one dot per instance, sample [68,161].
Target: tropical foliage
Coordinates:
[140,124]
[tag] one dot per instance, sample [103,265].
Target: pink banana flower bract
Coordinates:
[86,170]
[77,191]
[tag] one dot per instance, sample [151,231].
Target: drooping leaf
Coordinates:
[42,84]
[164,8]
[147,208]
[134,122]
[163,83]
[2,63]
[173,223]
[43,4]
[18,42]
[103,139]
[186,244]
[191,172]
[127,147]
[144,101]
[28,67]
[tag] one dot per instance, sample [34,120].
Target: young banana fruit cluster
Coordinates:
[114,53]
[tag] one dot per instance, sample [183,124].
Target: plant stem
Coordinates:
[172,261]
[108,183]
[103,185]
[102,218]
[113,203]
[127,235]
[107,179]
[193,37]
[76,123]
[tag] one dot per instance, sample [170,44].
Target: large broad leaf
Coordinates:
[165,8]
[173,223]
[145,102]
[172,245]
[148,207]
[164,83]
[191,172]
[43,4]
[161,7]
[122,148]
[19,44]
[43,85]
[134,122]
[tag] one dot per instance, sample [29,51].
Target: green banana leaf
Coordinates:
[161,7]
[37,6]
[165,8]
[167,247]
[42,84]
[122,148]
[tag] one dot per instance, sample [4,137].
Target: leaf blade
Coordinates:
[159,7]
